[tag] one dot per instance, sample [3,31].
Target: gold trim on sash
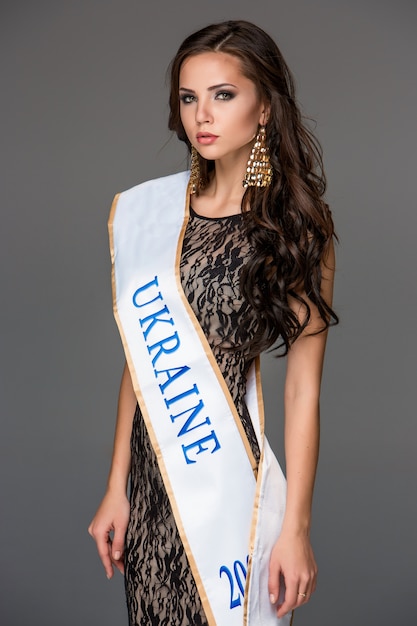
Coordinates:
[258,487]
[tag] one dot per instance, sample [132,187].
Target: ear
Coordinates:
[264,117]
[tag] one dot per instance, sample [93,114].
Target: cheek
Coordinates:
[246,125]
[187,117]
[185,122]
[183,109]
[246,119]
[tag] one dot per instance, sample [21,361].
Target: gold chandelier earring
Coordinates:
[196,182]
[259,170]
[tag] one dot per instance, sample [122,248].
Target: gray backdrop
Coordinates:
[83,115]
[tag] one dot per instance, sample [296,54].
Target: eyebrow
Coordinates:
[213,88]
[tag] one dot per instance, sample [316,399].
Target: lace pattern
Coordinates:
[160,588]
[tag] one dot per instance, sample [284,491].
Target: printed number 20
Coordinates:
[239,572]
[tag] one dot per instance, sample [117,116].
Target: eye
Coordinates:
[187,98]
[224,95]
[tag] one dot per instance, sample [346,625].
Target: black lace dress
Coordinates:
[160,588]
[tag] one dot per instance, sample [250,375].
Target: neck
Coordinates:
[225,188]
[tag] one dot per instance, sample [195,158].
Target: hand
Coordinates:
[292,561]
[108,529]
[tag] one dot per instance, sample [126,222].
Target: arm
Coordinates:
[112,516]
[292,556]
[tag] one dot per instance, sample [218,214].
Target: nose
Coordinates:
[203,112]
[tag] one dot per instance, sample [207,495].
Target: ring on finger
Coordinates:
[303,595]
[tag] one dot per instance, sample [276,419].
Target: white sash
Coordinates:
[223,512]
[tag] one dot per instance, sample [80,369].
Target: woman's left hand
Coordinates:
[292,563]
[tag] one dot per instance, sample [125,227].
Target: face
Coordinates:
[220,108]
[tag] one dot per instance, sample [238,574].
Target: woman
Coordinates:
[255,262]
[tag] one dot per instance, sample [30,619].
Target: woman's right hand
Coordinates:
[108,529]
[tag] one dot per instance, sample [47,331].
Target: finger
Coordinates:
[289,601]
[303,597]
[296,594]
[118,544]
[104,551]
[274,585]
[306,587]
[314,585]
[120,566]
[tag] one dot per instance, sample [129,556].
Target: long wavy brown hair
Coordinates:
[288,223]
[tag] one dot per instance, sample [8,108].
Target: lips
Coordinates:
[206,138]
